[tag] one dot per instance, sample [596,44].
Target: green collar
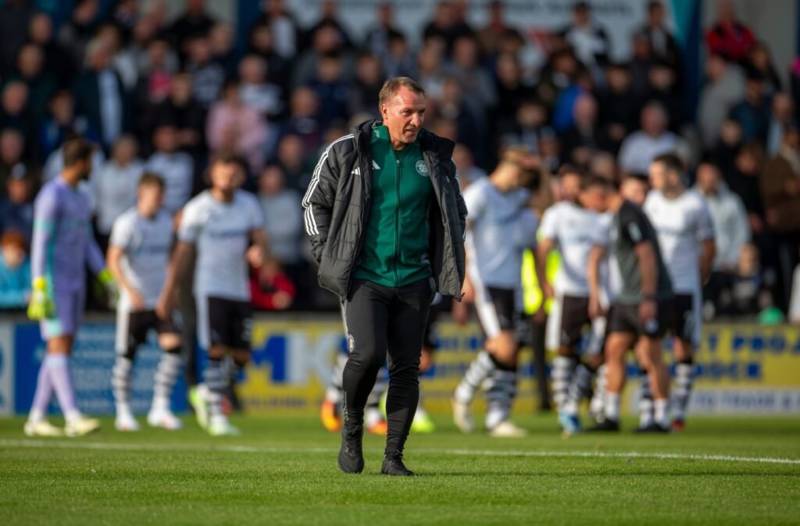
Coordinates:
[380,133]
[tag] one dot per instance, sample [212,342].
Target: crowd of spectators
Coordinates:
[163,95]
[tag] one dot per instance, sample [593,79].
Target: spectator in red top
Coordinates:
[729,37]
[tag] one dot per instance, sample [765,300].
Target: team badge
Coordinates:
[422,168]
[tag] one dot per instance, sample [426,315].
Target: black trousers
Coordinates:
[380,319]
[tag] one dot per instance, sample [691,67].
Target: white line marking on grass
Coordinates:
[111,446]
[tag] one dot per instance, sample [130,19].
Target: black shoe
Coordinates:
[351,455]
[653,427]
[606,425]
[393,465]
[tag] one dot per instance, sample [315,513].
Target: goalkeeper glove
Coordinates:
[107,281]
[41,305]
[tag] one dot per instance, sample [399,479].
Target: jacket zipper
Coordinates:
[396,216]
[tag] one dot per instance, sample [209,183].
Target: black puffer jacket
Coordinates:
[337,205]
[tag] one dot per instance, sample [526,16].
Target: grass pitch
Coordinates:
[282,470]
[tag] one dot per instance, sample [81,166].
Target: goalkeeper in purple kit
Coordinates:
[63,245]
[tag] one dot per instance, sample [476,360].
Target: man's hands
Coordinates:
[648,310]
[41,305]
[106,279]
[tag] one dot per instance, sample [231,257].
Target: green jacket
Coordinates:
[395,249]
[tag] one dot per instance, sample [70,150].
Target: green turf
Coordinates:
[283,471]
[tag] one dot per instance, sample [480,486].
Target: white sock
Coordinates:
[660,411]
[72,416]
[36,416]
[612,405]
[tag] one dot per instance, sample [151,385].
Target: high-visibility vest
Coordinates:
[531,291]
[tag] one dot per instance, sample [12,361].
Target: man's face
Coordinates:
[658,176]
[595,198]
[225,176]
[403,114]
[570,186]
[151,197]
[84,169]
[634,190]
[708,178]
[13,256]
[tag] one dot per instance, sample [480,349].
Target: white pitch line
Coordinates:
[110,446]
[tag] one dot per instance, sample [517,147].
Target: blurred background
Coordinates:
[605,85]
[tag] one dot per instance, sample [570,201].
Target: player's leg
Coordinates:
[645,400]
[502,386]
[69,309]
[366,315]
[131,332]
[622,321]
[230,337]
[408,313]
[686,341]
[484,364]
[566,366]
[649,355]
[169,367]
[374,419]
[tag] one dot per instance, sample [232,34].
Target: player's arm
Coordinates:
[178,267]
[114,259]
[545,246]
[648,270]
[45,218]
[708,248]
[596,256]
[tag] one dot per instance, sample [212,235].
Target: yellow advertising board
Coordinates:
[740,368]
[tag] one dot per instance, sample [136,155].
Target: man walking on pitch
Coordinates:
[641,304]
[62,247]
[386,220]
[218,226]
[138,256]
[686,236]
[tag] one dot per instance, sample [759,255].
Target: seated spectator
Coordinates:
[221,39]
[41,83]
[182,111]
[760,60]
[663,44]
[780,191]
[304,119]
[81,28]
[285,30]
[282,215]
[194,21]
[641,147]
[511,91]
[584,137]
[619,107]
[115,185]
[589,40]
[292,158]
[234,127]
[256,90]
[12,149]
[748,294]
[731,228]
[400,61]
[332,89]
[175,167]
[753,113]
[100,96]
[728,36]
[378,37]
[663,88]
[325,41]
[781,117]
[16,210]
[794,304]
[271,288]
[60,123]
[15,271]
[363,96]
[14,109]
[724,88]
[477,82]
[155,79]
[262,43]
[452,106]
[430,69]
[56,59]
[208,75]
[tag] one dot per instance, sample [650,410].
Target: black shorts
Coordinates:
[497,310]
[684,319]
[225,322]
[132,328]
[574,319]
[625,318]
